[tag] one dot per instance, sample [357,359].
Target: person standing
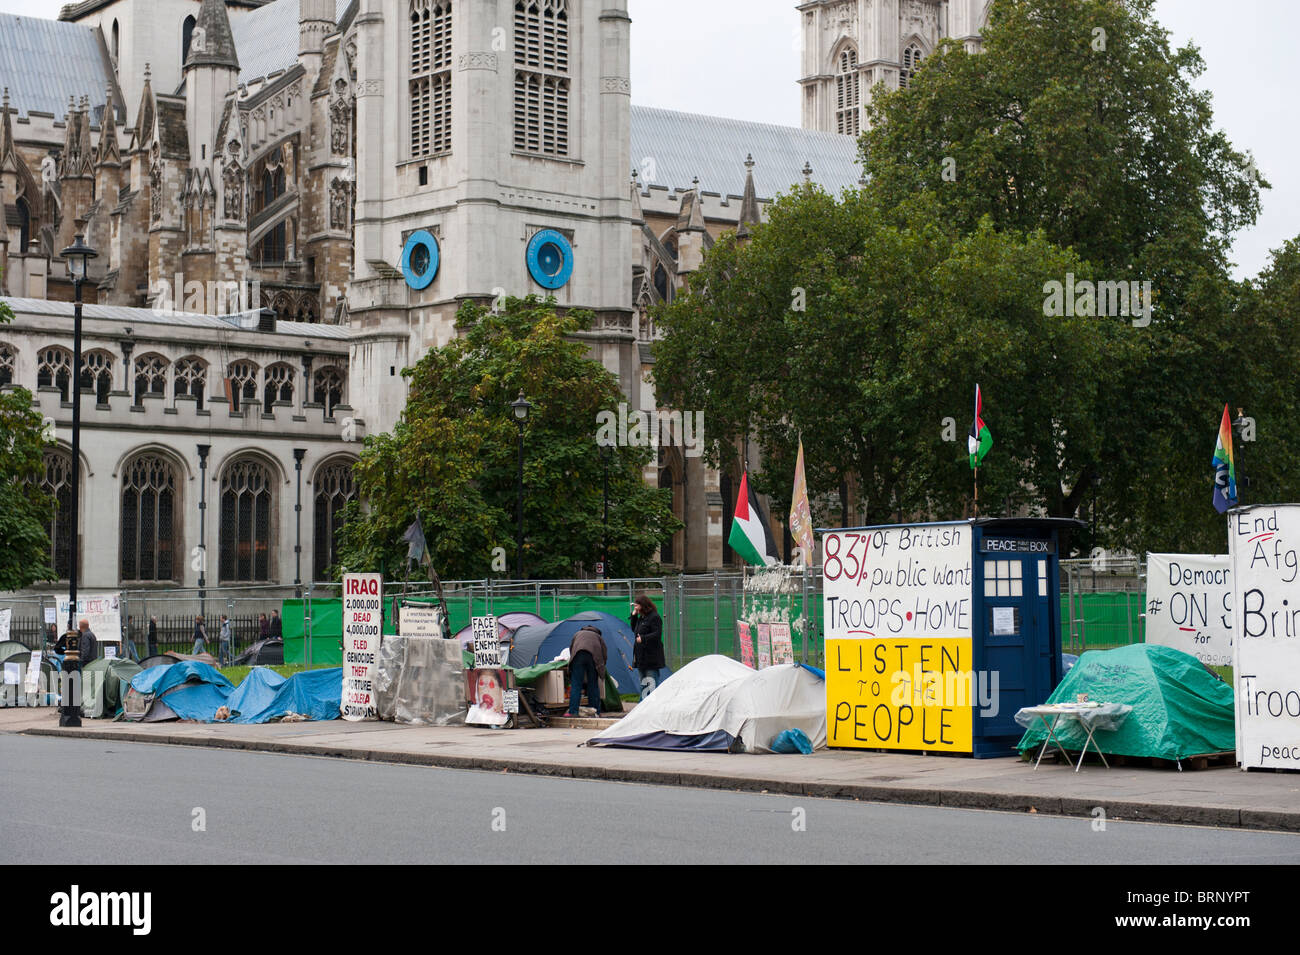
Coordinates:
[152,640]
[263,627]
[200,636]
[131,652]
[277,625]
[224,657]
[587,655]
[648,651]
[87,646]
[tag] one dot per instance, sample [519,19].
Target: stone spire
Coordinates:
[690,218]
[215,45]
[6,128]
[749,215]
[109,151]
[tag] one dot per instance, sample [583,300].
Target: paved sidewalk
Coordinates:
[1222,796]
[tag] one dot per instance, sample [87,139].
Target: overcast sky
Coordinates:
[739,58]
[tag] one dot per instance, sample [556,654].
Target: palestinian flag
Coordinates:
[751,535]
[1225,467]
[980,439]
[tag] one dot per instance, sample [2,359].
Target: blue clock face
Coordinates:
[550,259]
[420,259]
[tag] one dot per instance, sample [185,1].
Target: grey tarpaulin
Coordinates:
[1107,716]
[420,680]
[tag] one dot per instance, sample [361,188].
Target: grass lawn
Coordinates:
[236,674]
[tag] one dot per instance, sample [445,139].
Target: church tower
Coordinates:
[849,46]
[492,159]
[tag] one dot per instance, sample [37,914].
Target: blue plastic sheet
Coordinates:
[195,691]
[313,693]
[158,680]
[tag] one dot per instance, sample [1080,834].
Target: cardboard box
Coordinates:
[550,688]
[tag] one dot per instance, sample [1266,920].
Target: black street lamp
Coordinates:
[203,526]
[77,255]
[1239,429]
[605,452]
[298,455]
[521,407]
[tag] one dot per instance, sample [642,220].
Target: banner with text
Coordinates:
[102,611]
[363,600]
[1263,544]
[1189,605]
[898,617]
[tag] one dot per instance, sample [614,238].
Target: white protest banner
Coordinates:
[782,646]
[763,632]
[1189,605]
[419,620]
[103,611]
[50,615]
[1264,546]
[487,642]
[898,612]
[33,681]
[4,623]
[363,600]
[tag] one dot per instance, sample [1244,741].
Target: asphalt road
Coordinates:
[89,801]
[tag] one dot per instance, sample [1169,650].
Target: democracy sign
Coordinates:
[363,599]
[1189,605]
[1263,544]
[898,622]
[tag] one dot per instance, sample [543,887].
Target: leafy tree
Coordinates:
[453,457]
[1075,144]
[25,510]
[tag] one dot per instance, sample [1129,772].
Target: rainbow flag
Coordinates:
[1225,469]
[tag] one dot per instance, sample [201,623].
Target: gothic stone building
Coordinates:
[355,170]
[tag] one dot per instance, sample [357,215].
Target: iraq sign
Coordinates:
[1263,544]
[363,599]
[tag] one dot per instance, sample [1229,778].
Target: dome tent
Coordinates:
[542,644]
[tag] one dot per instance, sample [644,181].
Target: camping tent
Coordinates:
[268,652]
[717,704]
[195,691]
[103,686]
[16,694]
[507,624]
[541,644]
[1180,708]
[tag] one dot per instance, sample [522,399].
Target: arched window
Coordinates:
[97,375]
[190,378]
[247,504]
[187,35]
[7,361]
[661,282]
[334,488]
[149,519]
[54,370]
[150,377]
[58,482]
[273,247]
[24,225]
[847,94]
[911,63]
[241,384]
[278,385]
[541,76]
[327,388]
[430,77]
[115,41]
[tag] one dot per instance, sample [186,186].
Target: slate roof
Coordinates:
[677,147]
[149,316]
[266,39]
[43,62]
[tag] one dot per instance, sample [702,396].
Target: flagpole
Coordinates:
[977,492]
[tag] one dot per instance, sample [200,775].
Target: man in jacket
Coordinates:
[587,656]
[223,650]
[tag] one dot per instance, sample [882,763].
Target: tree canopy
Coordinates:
[453,458]
[1074,149]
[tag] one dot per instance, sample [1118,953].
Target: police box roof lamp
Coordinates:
[77,255]
[521,407]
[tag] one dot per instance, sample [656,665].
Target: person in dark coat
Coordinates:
[587,656]
[87,647]
[277,625]
[153,635]
[648,652]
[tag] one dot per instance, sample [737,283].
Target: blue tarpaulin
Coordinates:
[313,693]
[195,691]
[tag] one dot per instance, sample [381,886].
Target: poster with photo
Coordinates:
[782,645]
[764,645]
[485,691]
[746,643]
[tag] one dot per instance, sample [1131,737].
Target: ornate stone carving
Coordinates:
[155,185]
[615,84]
[841,20]
[233,182]
[477,61]
[338,204]
[340,124]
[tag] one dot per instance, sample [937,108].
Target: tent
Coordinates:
[195,691]
[1180,708]
[717,704]
[541,644]
[268,652]
[170,657]
[507,624]
[16,695]
[103,686]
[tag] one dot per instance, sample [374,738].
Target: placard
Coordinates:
[5,616]
[1264,548]
[33,682]
[51,615]
[782,646]
[487,642]
[420,620]
[898,616]
[764,645]
[1189,605]
[512,701]
[746,643]
[485,689]
[1004,621]
[103,611]
[363,601]
[110,653]
[13,674]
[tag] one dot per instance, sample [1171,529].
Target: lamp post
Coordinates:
[1239,429]
[203,526]
[77,255]
[520,407]
[298,455]
[605,452]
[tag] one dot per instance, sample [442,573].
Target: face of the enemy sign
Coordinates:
[898,617]
[363,598]
[1263,544]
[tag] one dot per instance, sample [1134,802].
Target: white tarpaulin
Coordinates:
[1264,544]
[718,694]
[103,611]
[1189,605]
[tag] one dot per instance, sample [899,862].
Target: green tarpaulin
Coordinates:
[1180,709]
